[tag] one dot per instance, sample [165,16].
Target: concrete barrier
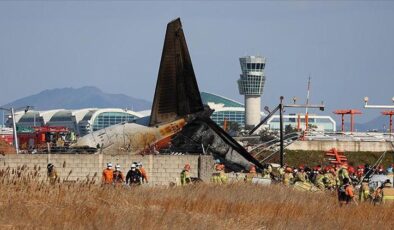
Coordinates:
[162,170]
[347,146]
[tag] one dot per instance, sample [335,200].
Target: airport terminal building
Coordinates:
[88,120]
[82,121]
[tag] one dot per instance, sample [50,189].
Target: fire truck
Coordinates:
[39,137]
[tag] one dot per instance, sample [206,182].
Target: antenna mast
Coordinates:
[307,103]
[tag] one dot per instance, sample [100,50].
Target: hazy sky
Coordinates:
[346,47]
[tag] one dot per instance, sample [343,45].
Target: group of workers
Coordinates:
[135,176]
[339,178]
[218,177]
[342,179]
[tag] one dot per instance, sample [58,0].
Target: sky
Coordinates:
[346,47]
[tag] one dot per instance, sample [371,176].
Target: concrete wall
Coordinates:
[353,146]
[162,170]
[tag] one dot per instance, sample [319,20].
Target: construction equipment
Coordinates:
[336,157]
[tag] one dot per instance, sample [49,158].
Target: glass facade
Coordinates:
[234,116]
[106,119]
[31,119]
[252,79]
[251,84]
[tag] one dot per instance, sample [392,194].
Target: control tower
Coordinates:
[251,85]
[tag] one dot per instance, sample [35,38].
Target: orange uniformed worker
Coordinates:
[108,174]
[143,172]
[118,176]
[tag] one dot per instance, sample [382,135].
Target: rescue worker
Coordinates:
[219,176]
[267,172]
[345,192]
[364,194]
[388,192]
[319,180]
[108,174]
[282,171]
[342,174]
[142,170]
[301,175]
[52,174]
[185,175]
[133,176]
[118,178]
[252,173]
[288,176]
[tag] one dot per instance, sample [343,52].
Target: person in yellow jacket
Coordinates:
[252,173]
[364,194]
[288,176]
[52,174]
[388,192]
[219,176]
[319,181]
[342,174]
[185,175]
[301,175]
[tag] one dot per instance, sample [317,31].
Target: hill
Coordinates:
[85,97]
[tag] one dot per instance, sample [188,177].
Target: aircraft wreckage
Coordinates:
[178,117]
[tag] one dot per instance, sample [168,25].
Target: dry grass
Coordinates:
[27,203]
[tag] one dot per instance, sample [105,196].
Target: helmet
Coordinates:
[117,166]
[187,166]
[289,170]
[133,165]
[50,165]
[139,164]
[217,161]
[109,165]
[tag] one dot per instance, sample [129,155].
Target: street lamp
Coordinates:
[366,99]
[12,111]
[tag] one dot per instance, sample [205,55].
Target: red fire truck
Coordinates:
[38,137]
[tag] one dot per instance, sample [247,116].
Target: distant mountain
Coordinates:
[85,97]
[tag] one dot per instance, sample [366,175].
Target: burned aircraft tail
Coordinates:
[177,93]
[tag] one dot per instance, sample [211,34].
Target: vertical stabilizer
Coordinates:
[177,93]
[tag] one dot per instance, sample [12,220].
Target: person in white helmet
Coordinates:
[133,176]
[119,178]
[142,170]
[108,174]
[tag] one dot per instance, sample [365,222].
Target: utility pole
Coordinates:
[14,131]
[281,131]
